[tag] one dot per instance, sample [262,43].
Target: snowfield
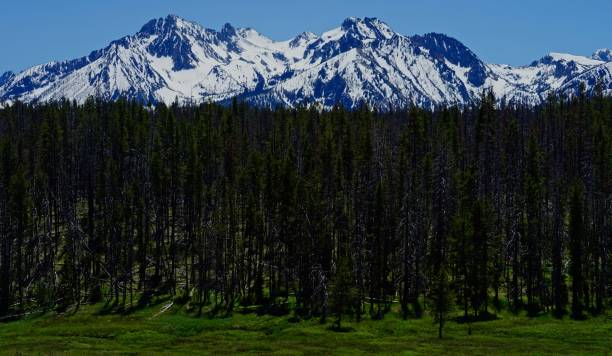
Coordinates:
[362,61]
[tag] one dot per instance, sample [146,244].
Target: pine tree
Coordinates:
[533,224]
[343,209]
[344,293]
[442,298]
[576,236]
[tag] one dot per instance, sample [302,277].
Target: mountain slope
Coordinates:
[363,60]
[595,79]
[603,54]
[533,83]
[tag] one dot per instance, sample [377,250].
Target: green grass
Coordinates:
[176,331]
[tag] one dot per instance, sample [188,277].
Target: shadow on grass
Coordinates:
[344,329]
[281,309]
[144,302]
[486,316]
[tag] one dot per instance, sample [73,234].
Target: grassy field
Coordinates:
[151,331]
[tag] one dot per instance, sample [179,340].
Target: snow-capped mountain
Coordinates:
[363,60]
[533,83]
[594,79]
[603,54]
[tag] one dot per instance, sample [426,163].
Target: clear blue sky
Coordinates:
[499,31]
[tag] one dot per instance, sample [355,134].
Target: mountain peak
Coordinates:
[566,58]
[6,76]
[303,37]
[228,30]
[174,39]
[362,60]
[603,54]
[369,27]
[350,21]
[443,47]
[228,27]
[306,36]
[166,24]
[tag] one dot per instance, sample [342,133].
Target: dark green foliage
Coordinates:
[341,213]
[577,237]
[344,293]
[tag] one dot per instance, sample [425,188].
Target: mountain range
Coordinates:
[362,61]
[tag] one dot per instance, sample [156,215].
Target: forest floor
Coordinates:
[172,329]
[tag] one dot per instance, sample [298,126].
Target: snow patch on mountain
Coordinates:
[603,54]
[362,61]
[597,80]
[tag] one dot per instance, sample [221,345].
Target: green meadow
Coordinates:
[160,329]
